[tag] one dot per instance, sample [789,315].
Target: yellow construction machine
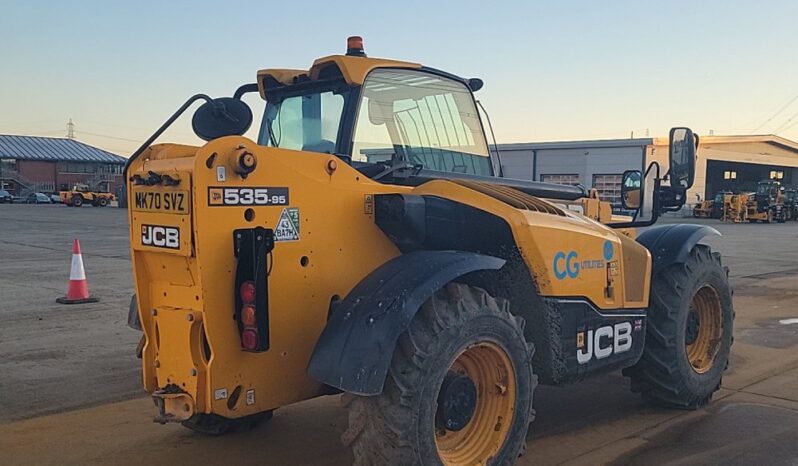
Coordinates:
[712,208]
[367,244]
[767,203]
[735,207]
[81,193]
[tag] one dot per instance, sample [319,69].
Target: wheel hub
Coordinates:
[703,329]
[457,402]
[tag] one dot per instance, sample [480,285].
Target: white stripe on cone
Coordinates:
[77,272]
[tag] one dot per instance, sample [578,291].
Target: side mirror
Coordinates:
[631,189]
[223,116]
[682,145]
[475,84]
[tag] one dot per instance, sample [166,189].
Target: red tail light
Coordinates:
[248,292]
[249,339]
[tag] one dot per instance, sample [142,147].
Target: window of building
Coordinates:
[110,168]
[609,188]
[8,165]
[77,167]
[776,174]
[571,180]
[730,175]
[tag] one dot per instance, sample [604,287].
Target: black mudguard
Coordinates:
[671,244]
[355,349]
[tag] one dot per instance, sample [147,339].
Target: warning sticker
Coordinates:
[288,226]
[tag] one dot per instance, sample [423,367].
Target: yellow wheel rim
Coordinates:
[704,329]
[491,371]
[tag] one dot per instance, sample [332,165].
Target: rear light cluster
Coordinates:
[252,248]
[249,334]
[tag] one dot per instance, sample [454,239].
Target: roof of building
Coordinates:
[53,150]
[742,139]
[659,141]
[590,144]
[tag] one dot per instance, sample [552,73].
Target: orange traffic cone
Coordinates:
[78,291]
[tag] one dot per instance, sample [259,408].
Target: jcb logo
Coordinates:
[604,342]
[160,236]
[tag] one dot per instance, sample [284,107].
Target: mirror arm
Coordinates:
[245,89]
[655,209]
[160,130]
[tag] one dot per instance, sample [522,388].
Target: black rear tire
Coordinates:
[213,424]
[665,374]
[402,424]
[77,201]
[102,202]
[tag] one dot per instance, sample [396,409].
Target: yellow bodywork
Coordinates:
[735,207]
[186,293]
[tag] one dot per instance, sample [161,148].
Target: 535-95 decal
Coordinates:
[235,196]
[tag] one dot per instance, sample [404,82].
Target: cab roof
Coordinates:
[354,70]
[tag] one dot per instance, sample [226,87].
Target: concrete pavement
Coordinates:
[55,358]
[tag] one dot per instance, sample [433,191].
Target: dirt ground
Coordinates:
[70,391]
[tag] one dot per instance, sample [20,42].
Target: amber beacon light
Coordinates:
[354,46]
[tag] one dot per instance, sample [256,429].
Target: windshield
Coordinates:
[422,119]
[764,188]
[308,122]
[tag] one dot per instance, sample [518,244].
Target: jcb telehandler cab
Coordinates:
[365,244]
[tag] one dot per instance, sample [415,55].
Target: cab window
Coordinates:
[420,118]
[307,122]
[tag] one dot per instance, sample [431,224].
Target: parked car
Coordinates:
[55,198]
[6,197]
[38,198]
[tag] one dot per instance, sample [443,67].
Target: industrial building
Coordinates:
[38,164]
[733,163]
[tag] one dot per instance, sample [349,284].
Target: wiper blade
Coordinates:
[403,169]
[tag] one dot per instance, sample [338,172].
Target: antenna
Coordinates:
[70,129]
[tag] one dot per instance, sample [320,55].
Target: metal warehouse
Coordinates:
[733,163]
[37,164]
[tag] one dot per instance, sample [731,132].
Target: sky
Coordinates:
[559,70]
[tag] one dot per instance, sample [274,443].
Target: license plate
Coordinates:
[166,201]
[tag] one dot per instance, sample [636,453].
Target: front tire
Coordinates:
[688,334]
[459,389]
[77,201]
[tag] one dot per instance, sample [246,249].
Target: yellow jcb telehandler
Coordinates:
[81,194]
[367,244]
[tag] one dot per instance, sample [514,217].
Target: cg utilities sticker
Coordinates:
[568,264]
[260,196]
[288,225]
[160,236]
